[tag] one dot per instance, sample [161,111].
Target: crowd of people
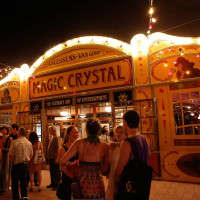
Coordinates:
[101,154]
[17,150]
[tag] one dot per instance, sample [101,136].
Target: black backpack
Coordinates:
[135,182]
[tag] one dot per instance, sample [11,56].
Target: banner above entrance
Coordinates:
[77,55]
[100,76]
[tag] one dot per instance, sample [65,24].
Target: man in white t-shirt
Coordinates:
[20,152]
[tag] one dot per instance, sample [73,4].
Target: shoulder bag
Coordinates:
[135,182]
[39,157]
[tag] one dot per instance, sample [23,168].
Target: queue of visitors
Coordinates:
[77,165]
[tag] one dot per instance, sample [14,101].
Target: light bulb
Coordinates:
[108,109]
[64,113]
[151,11]
[153,20]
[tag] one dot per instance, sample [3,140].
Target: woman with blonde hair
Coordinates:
[114,154]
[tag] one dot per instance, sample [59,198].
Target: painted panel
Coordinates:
[162,98]
[24,90]
[110,74]
[190,164]
[9,92]
[141,69]
[175,68]
[143,93]
[180,165]
[174,51]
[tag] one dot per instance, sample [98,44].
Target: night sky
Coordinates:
[29,28]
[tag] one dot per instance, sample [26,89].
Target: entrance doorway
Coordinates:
[62,117]
[102,111]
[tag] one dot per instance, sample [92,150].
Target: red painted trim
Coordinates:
[152,72]
[163,165]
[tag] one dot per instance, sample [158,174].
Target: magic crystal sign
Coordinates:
[110,74]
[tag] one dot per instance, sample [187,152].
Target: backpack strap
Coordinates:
[133,148]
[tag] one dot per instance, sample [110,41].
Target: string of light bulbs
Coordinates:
[152,19]
[5,70]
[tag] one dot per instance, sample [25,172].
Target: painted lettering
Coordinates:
[91,53]
[91,77]
[72,57]
[103,70]
[43,87]
[87,75]
[59,84]
[69,80]
[35,86]
[111,72]
[49,84]
[97,52]
[120,78]
[55,84]
[94,72]
[78,79]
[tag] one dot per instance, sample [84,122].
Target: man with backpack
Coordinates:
[133,175]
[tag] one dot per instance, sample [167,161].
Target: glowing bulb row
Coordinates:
[152,19]
[83,40]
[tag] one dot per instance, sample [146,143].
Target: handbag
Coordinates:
[39,157]
[135,182]
[75,185]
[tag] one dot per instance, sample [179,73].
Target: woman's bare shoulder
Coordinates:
[79,143]
[125,145]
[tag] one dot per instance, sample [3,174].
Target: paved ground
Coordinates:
[160,190]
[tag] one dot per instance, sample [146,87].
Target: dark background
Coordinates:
[29,28]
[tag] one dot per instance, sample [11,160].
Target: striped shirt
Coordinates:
[21,150]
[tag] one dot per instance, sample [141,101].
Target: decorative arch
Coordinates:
[79,51]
